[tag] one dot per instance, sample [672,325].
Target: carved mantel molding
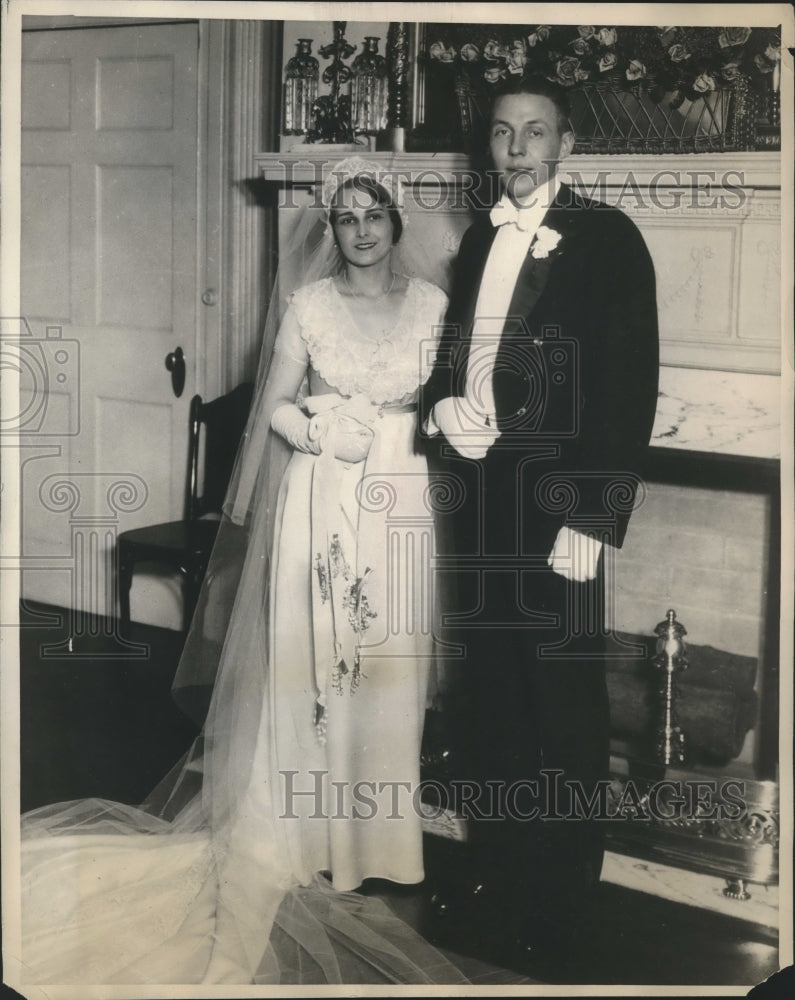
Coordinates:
[753,170]
[711,221]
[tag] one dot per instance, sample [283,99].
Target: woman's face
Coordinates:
[362,227]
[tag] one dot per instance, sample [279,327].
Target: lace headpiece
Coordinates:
[355,166]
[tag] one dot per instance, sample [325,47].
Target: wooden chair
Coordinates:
[185,546]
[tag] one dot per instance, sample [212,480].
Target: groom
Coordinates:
[538,414]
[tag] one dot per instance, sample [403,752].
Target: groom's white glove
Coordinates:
[574,555]
[294,426]
[463,426]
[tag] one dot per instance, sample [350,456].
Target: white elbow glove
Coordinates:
[295,427]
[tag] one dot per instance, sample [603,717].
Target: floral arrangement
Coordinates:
[682,62]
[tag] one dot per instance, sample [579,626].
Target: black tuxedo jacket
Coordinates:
[575,385]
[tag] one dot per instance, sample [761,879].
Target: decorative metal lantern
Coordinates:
[369,89]
[300,89]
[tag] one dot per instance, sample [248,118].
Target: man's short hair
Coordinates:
[539,86]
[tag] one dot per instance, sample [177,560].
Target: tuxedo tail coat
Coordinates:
[575,387]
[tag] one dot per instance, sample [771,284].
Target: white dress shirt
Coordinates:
[574,555]
[506,257]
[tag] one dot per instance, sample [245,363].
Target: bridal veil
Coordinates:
[194,885]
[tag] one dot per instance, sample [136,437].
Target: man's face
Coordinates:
[526,143]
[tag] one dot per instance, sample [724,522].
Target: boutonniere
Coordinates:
[545,241]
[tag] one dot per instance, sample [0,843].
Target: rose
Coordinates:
[667,35]
[493,74]
[773,53]
[678,53]
[636,70]
[494,51]
[730,71]
[470,52]
[541,34]
[581,46]
[607,37]
[586,31]
[440,52]
[608,61]
[583,74]
[762,64]
[566,70]
[703,84]
[733,36]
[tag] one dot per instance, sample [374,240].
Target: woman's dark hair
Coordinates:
[369,185]
[541,87]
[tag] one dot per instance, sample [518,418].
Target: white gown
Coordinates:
[228,891]
[362,534]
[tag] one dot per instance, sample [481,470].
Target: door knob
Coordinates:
[175,363]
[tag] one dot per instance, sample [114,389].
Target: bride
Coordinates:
[314,635]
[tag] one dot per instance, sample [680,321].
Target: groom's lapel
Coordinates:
[474,272]
[534,273]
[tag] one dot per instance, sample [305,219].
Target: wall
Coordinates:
[700,552]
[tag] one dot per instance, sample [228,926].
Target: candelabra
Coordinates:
[332,111]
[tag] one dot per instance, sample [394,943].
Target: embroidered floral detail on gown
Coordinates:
[350,691]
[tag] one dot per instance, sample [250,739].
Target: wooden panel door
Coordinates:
[109,288]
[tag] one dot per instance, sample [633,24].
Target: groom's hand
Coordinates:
[462,425]
[574,555]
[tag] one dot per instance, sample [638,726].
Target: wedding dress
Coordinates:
[349,761]
[309,749]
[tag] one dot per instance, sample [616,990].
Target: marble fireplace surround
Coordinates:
[712,223]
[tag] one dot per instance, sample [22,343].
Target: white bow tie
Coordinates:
[505,211]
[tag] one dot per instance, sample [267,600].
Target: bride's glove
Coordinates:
[352,440]
[462,425]
[295,427]
[333,421]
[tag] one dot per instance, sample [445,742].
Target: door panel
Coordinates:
[109,288]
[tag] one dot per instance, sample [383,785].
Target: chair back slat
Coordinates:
[221,422]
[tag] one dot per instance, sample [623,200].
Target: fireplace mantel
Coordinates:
[712,224]
[758,170]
